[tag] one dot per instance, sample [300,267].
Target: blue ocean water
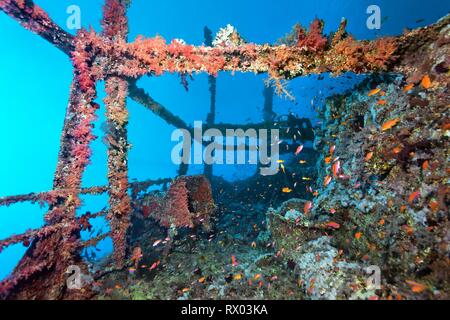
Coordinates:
[35,79]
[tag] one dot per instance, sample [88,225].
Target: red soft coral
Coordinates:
[313,40]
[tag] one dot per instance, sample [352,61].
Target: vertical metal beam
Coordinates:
[115,27]
[211,118]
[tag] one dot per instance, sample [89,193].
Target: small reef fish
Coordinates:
[234,262]
[299,149]
[381,102]
[413,196]
[416,287]
[335,168]
[326,181]
[327,160]
[286,190]
[426,81]
[154,265]
[332,148]
[389,124]
[373,92]
[131,270]
[202,279]
[358,235]
[302,161]
[306,178]
[397,150]
[333,225]
[369,156]
[425,165]
[282,168]
[434,205]
[156,243]
[408,87]
[307,207]
[237,276]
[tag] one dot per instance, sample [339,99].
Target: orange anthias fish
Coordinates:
[413,196]
[434,205]
[154,265]
[307,207]
[286,190]
[136,256]
[415,286]
[156,242]
[408,87]
[425,165]
[237,276]
[397,150]
[333,225]
[369,156]
[381,102]
[389,124]
[326,181]
[335,168]
[327,160]
[332,148]
[426,81]
[374,92]
[299,149]
[234,262]
[358,235]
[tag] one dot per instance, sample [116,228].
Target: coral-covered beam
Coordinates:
[29,235]
[49,197]
[313,53]
[119,200]
[46,265]
[155,56]
[33,18]
[94,241]
[115,28]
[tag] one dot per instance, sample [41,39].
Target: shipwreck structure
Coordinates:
[109,56]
